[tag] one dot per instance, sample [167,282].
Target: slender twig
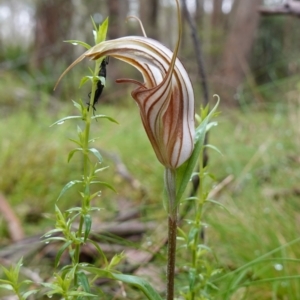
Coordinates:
[172,230]
[170,183]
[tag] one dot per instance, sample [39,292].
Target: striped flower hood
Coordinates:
[165,97]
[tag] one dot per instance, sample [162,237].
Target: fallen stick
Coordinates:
[13,223]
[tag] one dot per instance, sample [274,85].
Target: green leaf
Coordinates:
[192,278]
[95,208]
[185,171]
[74,209]
[101,169]
[29,293]
[92,140]
[139,283]
[17,268]
[96,153]
[94,24]
[59,215]
[191,199]
[61,121]
[211,125]
[202,246]
[50,232]
[115,260]
[182,233]
[106,184]
[71,154]
[55,238]
[68,186]
[79,105]
[135,281]
[3,281]
[84,80]
[88,225]
[84,282]
[105,117]
[81,294]
[76,142]
[101,36]
[60,252]
[76,42]
[96,194]
[214,148]
[218,204]
[99,250]
[193,232]
[6,286]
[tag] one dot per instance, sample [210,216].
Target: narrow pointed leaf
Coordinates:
[106,184]
[102,31]
[218,204]
[60,252]
[6,286]
[46,241]
[101,169]
[61,121]
[29,293]
[139,283]
[50,232]
[213,148]
[75,141]
[74,209]
[79,105]
[94,25]
[17,268]
[84,80]
[76,42]
[105,117]
[88,225]
[99,250]
[68,186]
[135,281]
[71,154]
[84,282]
[96,154]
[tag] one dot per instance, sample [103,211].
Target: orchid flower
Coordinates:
[165,98]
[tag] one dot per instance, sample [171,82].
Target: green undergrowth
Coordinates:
[260,150]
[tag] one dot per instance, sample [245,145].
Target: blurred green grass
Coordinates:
[260,149]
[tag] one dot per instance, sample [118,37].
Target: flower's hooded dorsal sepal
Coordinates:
[165,98]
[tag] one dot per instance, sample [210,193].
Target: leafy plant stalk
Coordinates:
[198,220]
[86,161]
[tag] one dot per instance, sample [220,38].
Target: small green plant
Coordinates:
[21,288]
[196,264]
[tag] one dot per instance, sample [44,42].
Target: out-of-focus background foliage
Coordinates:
[251,61]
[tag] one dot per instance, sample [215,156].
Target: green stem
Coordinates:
[170,182]
[85,147]
[198,217]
